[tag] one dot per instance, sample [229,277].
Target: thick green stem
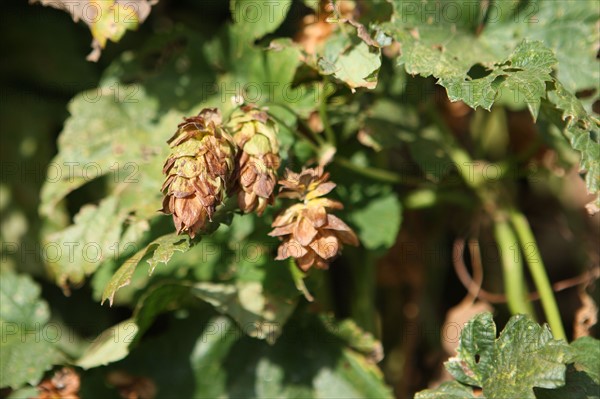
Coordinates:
[512,267]
[363,307]
[538,272]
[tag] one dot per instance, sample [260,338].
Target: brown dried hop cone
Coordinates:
[310,234]
[198,171]
[256,135]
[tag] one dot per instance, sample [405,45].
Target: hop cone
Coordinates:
[309,232]
[256,135]
[198,171]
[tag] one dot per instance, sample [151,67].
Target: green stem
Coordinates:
[316,138]
[362,304]
[426,198]
[296,133]
[375,173]
[329,133]
[538,271]
[512,268]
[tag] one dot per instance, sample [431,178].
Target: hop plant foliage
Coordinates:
[256,135]
[309,232]
[198,171]
[415,105]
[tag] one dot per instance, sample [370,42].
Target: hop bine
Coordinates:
[256,135]
[198,171]
[310,234]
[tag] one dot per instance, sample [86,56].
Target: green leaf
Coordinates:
[351,60]
[162,250]
[522,75]
[523,357]
[110,346]
[379,222]
[259,308]
[82,247]
[357,339]
[448,390]
[582,131]
[158,299]
[579,385]
[307,361]
[27,349]
[586,352]
[255,18]
[568,28]
[210,351]
[122,147]
[510,61]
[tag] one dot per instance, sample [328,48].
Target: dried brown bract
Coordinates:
[198,171]
[309,232]
[64,384]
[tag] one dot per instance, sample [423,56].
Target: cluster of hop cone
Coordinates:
[211,159]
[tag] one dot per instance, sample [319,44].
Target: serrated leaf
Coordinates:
[568,28]
[379,222]
[26,350]
[162,250]
[523,357]
[522,75]
[517,49]
[582,131]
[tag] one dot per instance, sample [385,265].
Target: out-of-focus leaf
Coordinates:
[351,60]
[261,299]
[254,19]
[92,145]
[582,131]
[356,338]
[448,390]
[28,349]
[84,245]
[586,351]
[523,357]
[379,222]
[107,19]
[579,385]
[167,296]
[307,361]
[110,346]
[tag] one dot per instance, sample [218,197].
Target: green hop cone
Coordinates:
[198,171]
[256,135]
